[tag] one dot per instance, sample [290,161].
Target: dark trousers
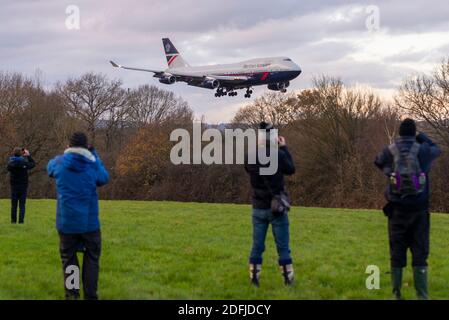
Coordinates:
[18,197]
[409,230]
[90,244]
[262,218]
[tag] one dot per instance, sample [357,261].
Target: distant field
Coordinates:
[169,250]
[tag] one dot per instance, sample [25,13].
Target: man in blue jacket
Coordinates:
[407,163]
[78,173]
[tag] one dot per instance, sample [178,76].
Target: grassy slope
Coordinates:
[167,250]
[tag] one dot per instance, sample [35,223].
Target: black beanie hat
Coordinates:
[407,128]
[78,139]
[265,125]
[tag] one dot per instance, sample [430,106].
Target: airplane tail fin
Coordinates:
[174,59]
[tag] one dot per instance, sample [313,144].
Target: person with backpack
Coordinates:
[270,206]
[18,166]
[78,173]
[407,163]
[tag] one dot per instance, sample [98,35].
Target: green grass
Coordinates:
[169,250]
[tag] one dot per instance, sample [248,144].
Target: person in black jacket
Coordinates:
[264,188]
[18,166]
[408,208]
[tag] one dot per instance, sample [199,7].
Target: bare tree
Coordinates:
[90,97]
[426,97]
[149,104]
[274,107]
[13,89]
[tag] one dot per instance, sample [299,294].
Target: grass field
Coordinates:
[169,250]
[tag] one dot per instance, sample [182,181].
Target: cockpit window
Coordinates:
[287,59]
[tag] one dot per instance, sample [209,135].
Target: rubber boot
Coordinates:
[420,280]
[72,295]
[254,273]
[396,282]
[288,274]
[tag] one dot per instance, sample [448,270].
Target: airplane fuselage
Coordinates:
[259,71]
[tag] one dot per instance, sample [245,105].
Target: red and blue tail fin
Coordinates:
[174,59]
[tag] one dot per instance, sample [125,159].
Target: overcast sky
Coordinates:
[338,38]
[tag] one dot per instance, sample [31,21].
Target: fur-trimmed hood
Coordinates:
[77,159]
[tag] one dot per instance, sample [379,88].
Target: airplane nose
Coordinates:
[297,70]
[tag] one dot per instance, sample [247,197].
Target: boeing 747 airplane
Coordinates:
[276,73]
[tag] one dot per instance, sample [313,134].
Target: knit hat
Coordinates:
[407,128]
[265,125]
[78,139]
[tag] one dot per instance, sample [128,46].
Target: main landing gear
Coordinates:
[221,92]
[230,92]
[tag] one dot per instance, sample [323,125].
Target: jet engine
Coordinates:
[168,79]
[278,86]
[210,83]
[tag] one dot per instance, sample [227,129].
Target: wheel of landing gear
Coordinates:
[250,91]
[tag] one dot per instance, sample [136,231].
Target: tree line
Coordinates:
[333,132]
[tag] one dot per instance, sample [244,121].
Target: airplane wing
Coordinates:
[115,65]
[186,77]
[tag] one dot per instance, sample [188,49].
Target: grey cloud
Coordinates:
[33,36]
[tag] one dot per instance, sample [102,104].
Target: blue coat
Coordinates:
[78,173]
[428,152]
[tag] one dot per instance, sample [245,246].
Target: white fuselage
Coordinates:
[247,68]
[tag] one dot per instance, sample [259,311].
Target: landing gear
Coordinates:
[248,93]
[220,92]
[284,90]
[229,92]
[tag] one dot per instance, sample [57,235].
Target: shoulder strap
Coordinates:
[393,148]
[414,150]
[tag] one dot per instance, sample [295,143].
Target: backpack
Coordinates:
[407,178]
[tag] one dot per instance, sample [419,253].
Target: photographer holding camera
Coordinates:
[270,206]
[407,163]
[78,173]
[18,166]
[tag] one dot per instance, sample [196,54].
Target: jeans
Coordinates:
[18,196]
[90,242]
[409,230]
[262,218]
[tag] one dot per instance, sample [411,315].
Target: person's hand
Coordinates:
[26,153]
[281,141]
